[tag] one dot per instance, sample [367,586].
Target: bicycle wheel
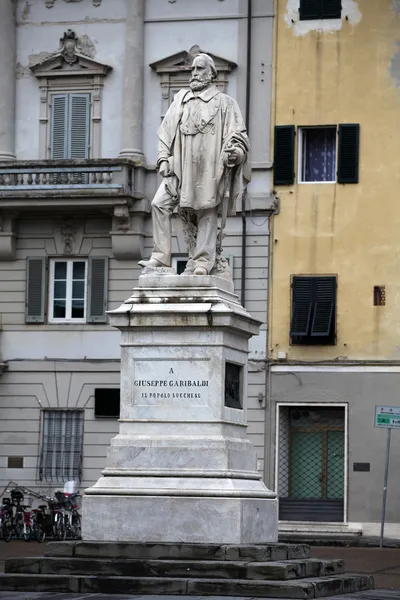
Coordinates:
[27,533]
[7,530]
[40,533]
[60,529]
[18,530]
[76,527]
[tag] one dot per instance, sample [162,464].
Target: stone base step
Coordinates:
[270,570]
[300,589]
[158,551]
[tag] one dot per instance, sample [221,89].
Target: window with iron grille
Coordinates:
[313,318]
[62,445]
[320,9]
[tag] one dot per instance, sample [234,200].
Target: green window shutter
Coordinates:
[331,9]
[284,155]
[97,290]
[302,304]
[78,125]
[325,305]
[59,127]
[348,153]
[310,9]
[35,290]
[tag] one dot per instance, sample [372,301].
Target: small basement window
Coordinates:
[107,402]
[15,462]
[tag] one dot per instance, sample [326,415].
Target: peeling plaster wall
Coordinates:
[395,6]
[350,13]
[347,75]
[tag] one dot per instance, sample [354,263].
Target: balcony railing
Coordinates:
[110,175]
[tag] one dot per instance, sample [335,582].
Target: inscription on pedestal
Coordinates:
[180,382]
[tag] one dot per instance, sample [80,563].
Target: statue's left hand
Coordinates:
[233,156]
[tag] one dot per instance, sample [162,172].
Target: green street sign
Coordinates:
[387,416]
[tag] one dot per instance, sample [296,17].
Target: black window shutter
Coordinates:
[302,302]
[331,9]
[35,290]
[348,153]
[310,9]
[284,155]
[325,303]
[97,290]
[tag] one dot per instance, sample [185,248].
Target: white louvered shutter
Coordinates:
[59,127]
[78,126]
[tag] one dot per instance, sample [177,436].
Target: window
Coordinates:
[317,154]
[70,126]
[320,157]
[77,290]
[320,9]
[62,445]
[107,402]
[313,310]
[68,290]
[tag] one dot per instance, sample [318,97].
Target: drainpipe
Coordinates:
[247,120]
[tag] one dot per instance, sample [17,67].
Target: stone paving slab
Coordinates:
[369,595]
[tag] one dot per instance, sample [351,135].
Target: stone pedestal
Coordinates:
[181,468]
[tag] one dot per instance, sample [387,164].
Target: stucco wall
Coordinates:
[361,389]
[331,72]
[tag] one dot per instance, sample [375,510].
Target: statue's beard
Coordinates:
[199,84]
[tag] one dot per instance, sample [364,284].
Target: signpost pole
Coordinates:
[385,486]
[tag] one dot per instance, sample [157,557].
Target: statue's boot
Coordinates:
[200,271]
[152,262]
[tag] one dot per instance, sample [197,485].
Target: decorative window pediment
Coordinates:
[175,70]
[69,59]
[70,71]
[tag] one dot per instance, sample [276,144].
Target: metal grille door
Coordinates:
[311,463]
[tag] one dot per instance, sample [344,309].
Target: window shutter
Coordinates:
[35,290]
[310,9]
[331,9]
[78,126]
[325,300]
[284,155]
[97,290]
[59,127]
[302,302]
[348,153]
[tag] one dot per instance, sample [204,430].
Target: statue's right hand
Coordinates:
[164,168]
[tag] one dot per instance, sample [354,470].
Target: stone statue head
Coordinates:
[203,72]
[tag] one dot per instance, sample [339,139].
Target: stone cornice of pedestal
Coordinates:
[202,304]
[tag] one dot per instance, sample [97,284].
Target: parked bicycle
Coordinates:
[15,517]
[56,517]
[67,518]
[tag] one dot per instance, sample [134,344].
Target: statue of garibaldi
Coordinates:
[202,157]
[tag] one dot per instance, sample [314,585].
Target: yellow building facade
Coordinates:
[334,327]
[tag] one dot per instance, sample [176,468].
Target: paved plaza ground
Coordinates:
[383,564]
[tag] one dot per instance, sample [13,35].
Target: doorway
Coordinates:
[311,463]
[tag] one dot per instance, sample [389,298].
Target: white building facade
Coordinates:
[84,86]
